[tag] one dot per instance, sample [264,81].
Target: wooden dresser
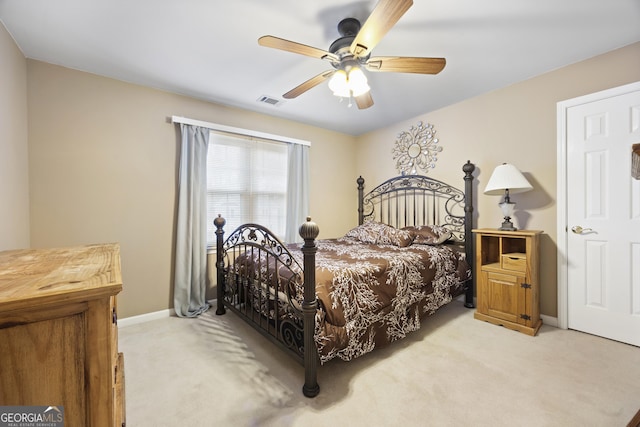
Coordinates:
[58,332]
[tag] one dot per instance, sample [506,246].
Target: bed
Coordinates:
[344,297]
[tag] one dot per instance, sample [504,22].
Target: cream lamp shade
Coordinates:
[507,179]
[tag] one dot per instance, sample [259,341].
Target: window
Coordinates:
[246,182]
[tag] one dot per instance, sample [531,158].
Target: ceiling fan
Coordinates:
[350,53]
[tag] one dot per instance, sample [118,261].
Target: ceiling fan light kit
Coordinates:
[351,84]
[351,53]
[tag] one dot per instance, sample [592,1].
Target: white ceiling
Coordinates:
[209,50]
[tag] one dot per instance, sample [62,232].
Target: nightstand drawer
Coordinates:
[514,261]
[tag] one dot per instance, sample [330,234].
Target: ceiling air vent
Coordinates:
[269,100]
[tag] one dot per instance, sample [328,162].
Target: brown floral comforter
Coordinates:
[372,294]
[369,294]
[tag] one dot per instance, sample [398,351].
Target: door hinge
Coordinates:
[525,317]
[525,285]
[114,316]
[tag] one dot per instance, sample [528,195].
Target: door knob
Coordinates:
[579,230]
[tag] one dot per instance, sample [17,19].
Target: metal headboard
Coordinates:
[419,200]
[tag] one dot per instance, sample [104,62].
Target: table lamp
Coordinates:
[507,179]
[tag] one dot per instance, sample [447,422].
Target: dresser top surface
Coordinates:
[27,274]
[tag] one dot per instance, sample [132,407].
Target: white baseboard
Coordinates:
[134,320]
[549,320]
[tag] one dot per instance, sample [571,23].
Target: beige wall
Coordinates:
[14,171]
[103,165]
[516,125]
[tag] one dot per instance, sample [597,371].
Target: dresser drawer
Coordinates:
[515,261]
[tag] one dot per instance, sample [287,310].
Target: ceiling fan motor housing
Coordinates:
[348,29]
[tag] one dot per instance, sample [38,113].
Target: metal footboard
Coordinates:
[262,281]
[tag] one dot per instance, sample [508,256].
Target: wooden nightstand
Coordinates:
[507,278]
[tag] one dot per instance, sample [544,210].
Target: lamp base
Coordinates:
[507,225]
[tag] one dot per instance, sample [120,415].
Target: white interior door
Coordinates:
[603,218]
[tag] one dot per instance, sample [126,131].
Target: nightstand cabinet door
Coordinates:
[501,297]
[506,268]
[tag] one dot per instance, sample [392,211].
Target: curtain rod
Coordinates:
[239,131]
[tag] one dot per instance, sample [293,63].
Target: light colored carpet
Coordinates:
[455,371]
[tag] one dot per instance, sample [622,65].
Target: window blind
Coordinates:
[246,183]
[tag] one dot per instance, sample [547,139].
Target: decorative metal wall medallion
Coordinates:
[416,149]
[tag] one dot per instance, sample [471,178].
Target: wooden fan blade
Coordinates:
[311,83]
[384,16]
[364,101]
[299,48]
[405,64]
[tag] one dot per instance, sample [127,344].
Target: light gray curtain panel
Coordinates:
[297,191]
[190,280]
